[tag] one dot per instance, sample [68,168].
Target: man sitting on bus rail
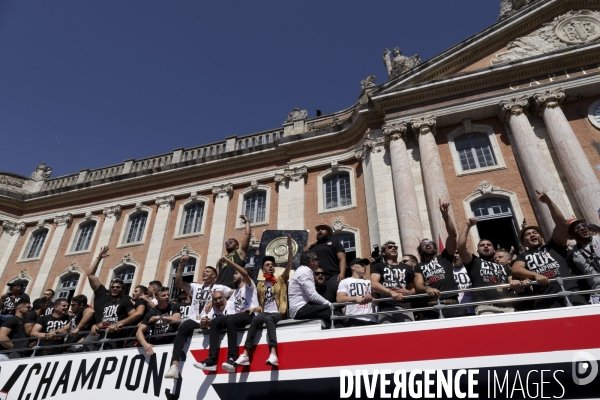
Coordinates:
[159,320]
[217,309]
[13,329]
[357,289]
[541,262]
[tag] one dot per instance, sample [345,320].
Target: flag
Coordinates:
[440,244]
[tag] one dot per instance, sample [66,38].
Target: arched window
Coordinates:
[84,236]
[255,206]
[192,218]
[349,242]
[496,222]
[135,227]
[188,275]
[494,208]
[36,242]
[337,192]
[474,151]
[126,274]
[67,286]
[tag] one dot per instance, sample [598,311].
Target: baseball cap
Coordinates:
[18,282]
[360,261]
[324,225]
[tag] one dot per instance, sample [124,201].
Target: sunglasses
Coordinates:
[230,241]
[423,244]
[116,287]
[391,247]
[581,226]
[319,273]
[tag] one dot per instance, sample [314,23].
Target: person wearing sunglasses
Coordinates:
[236,253]
[320,282]
[584,259]
[14,328]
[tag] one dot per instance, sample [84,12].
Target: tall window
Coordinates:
[255,206]
[188,275]
[192,218]
[67,286]
[36,243]
[135,228]
[474,151]
[84,236]
[337,191]
[126,274]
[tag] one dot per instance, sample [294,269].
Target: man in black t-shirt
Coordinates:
[236,253]
[140,304]
[49,296]
[160,320]
[11,298]
[435,274]
[183,305]
[392,280]
[541,262]
[48,326]
[332,258]
[81,320]
[14,328]
[38,309]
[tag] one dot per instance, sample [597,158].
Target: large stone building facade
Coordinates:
[511,110]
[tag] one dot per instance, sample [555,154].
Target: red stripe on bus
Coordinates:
[458,342]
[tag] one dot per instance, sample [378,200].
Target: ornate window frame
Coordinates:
[85,220]
[186,250]
[126,261]
[40,226]
[334,170]
[253,188]
[486,190]
[23,275]
[466,128]
[139,208]
[70,270]
[339,227]
[194,198]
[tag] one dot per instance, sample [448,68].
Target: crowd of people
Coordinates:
[380,290]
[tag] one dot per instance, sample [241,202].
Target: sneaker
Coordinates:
[172,373]
[206,365]
[242,360]
[273,361]
[229,365]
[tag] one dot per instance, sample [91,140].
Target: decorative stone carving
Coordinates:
[165,201]
[279,179]
[88,216]
[594,114]
[338,225]
[63,219]
[549,99]
[4,180]
[514,106]
[224,190]
[295,174]
[111,212]
[334,122]
[41,223]
[335,166]
[74,268]
[369,144]
[485,188]
[423,126]
[369,82]
[399,64]
[186,249]
[12,228]
[467,125]
[127,258]
[138,206]
[254,184]
[23,275]
[193,196]
[41,172]
[394,131]
[510,7]
[572,28]
[296,115]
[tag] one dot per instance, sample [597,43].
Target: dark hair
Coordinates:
[420,252]
[163,289]
[306,256]
[21,302]
[80,299]
[484,239]
[119,281]
[213,268]
[59,301]
[268,258]
[39,303]
[156,283]
[413,258]
[50,290]
[142,288]
[182,297]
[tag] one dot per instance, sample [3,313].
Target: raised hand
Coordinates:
[184,259]
[103,252]
[543,197]
[444,208]
[244,218]
[471,222]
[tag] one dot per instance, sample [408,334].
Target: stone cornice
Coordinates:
[12,228]
[394,131]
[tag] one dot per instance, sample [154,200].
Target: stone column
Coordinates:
[290,186]
[434,179]
[407,206]
[216,245]
[10,234]
[111,215]
[38,287]
[575,164]
[379,193]
[532,159]
[156,241]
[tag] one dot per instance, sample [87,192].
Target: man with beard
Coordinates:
[141,304]
[320,282]
[543,261]
[332,258]
[393,280]
[434,274]
[14,329]
[236,254]
[159,320]
[48,326]
[49,296]
[15,294]
[358,290]
[484,271]
[200,295]
[462,281]
[39,308]
[81,320]
[241,309]
[584,259]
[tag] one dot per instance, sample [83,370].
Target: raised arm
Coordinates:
[559,234]
[450,228]
[286,273]
[461,245]
[241,270]
[179,282]
[246,240]
[92,278]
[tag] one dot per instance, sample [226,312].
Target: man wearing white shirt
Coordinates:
[304,301]
[240,310]
[358,290]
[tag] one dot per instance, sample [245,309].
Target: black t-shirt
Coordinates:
[31,317]
[140,302]
[158,328]
[49,310]
[225,277]
[488,273]
[101,297]
[9,303]
[49,324]
[17,331]
[327,252]
[393,277]
[439,274]
[110,311]
[549,260]
[184,309]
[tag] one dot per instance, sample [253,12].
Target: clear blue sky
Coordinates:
[84,84]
